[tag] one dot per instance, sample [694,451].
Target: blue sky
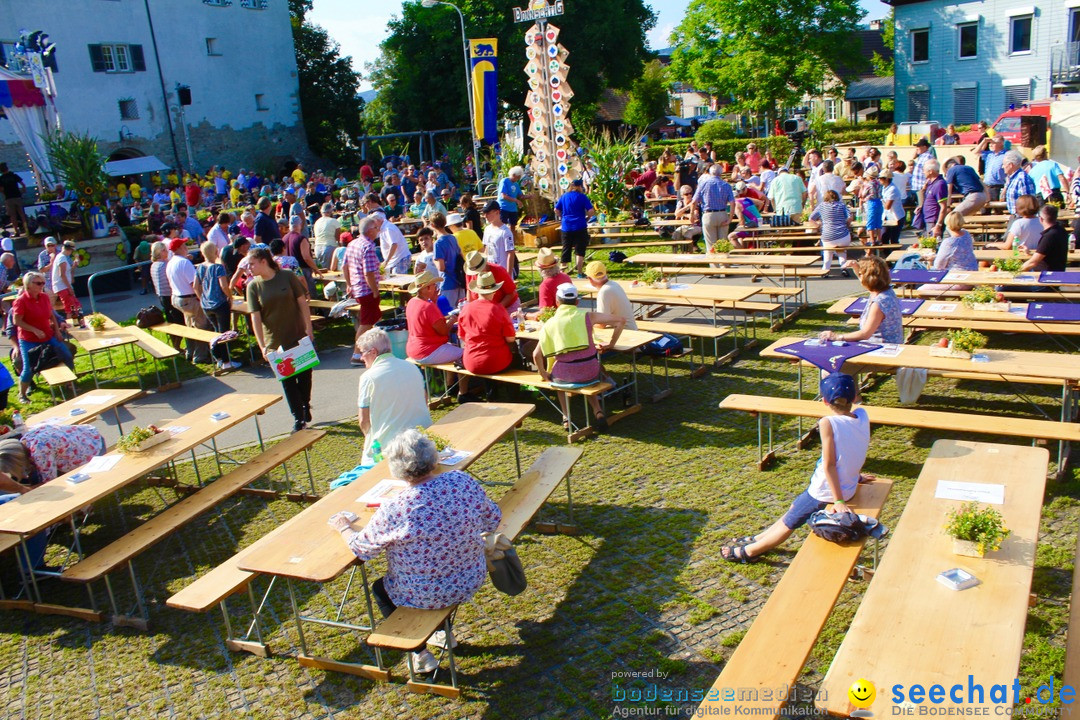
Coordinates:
[360,25]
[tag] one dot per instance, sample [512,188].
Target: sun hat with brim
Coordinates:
[484,284]
[545,258]
[455,219]
[422,280]
[475,262]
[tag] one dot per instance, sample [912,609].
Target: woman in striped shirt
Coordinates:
[833,218]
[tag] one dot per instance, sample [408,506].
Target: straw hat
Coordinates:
[475,262]
[422,280]
[545,259]
[484,284]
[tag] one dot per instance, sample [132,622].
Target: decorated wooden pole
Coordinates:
[555,160]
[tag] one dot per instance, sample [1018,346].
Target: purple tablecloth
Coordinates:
[828,356]
[917,276]
[1060,278]
[1054,312]
[907,306]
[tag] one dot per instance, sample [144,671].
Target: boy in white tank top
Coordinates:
[845,439]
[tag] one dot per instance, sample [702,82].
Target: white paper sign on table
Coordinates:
[679,286]
[108,342]
[381,492]
[943,307]
[888,350]
[453,457]
[175,429]
[101,463]
[93,399]
[991,493]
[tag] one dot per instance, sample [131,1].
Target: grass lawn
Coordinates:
[642,588]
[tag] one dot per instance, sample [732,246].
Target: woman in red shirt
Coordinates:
[36,325]
[429,331]
[486,330]
[552,277]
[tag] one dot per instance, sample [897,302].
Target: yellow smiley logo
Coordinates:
[862,693]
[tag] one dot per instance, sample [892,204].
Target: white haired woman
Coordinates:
[431,533]
[510,194]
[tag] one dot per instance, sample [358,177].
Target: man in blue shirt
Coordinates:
[574,209]
[963,180]
[714,199]
[191,226]
[994,173]
[509,196]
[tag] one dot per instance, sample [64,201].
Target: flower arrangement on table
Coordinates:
[928,242]
[97,321]
[976,530]
[141,438]
[961,343]
[984,297]
[722,247]
[1008,265]
[652,277]
[546,314]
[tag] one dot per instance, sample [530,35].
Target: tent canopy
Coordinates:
[18,91]
[134,166]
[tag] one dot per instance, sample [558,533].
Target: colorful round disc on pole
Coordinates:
[530,53]
[553,51]
[534,98]
[561,153]
[556,95]
[560,139]
[542,169]
[553,66]
[563,169]
[541,156]
[559,125]
[534,83]
[556,81]
[540,139]
[564,182]
[551,35]
[557,110]
[544,184]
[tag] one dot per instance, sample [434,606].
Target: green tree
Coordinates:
[762,54]
[328,87]
[883,67]
[648,96]
[420,75]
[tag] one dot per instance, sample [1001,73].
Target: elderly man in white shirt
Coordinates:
[397,257]
[181,274]
[219,234]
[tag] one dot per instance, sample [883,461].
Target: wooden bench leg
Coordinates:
[234,644]
[559,528]
[452,690]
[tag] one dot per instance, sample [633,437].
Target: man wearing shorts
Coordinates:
[574,209]
[13,188]
[361,271]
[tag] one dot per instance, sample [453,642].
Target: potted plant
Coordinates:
[928,245]
[961,344]
[654,278]
[546,314]
[975,530]
[97,322]
[985,297]
[1010,265]
[721,247]
[440,442]
[141,439]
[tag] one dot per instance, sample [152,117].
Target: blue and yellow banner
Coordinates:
[483,64]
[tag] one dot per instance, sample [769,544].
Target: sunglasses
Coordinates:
[38,282]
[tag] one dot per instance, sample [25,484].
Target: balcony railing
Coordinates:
[1065,63]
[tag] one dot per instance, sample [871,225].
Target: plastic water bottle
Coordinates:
[376,451]
[17,419]
[602,219]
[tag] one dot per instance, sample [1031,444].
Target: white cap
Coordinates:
[566,291]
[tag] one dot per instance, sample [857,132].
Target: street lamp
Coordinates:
[468,83]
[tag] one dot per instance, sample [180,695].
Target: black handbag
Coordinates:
[506,573]
[149,317]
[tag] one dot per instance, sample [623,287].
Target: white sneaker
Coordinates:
[424,662]
[438,639]
[231,365]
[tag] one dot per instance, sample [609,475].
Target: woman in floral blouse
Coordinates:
[431,533]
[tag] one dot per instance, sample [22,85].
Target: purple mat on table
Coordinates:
[917,276]
[827,356]
[907,306]
[1054,312]
[1060,278]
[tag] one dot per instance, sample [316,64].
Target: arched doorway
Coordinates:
[125,154]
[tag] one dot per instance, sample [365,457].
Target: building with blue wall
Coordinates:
[964,62]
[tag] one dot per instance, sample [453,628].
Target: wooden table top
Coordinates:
[629,340]
[644,226]
[1002,364]
[723,259]
[54,501]
[306,548]
[985,277]
[94,403]
[910,629]
[710,293]
[112,335]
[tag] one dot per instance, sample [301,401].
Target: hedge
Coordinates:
[780,145]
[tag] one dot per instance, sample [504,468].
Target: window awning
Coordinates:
[134,166]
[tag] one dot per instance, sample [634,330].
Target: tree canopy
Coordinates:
[328,87]
[648,96]
[420,76]
[760,53]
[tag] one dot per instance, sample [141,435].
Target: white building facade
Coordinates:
[121,62]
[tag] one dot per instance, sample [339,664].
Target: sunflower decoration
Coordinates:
[82,257]
[610,195]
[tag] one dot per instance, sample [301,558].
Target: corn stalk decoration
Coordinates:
[79,164]
[610,159]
